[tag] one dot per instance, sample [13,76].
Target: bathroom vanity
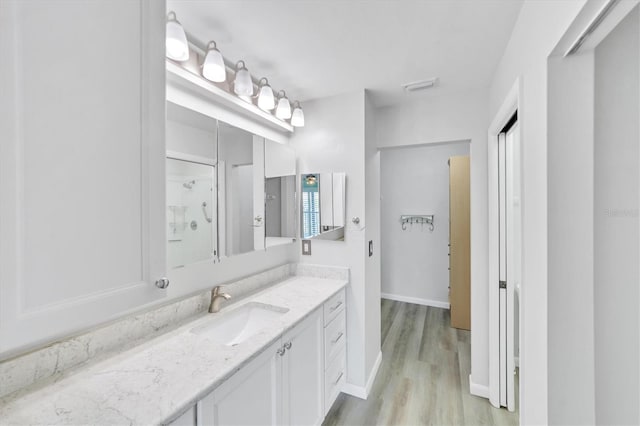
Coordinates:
[288,360]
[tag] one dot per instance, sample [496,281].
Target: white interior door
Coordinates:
[509,257]
[502,215]
[514,247]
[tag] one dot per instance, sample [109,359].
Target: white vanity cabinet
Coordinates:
[188,418]
[335,338]
[252,396]
[302,373]
[281,386]
[81,164]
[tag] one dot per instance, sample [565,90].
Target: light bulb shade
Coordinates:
[266,100]
[213,68]
[177,47]
[297,117]
[243,86]
[283,111]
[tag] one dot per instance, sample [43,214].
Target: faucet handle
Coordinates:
[217,292]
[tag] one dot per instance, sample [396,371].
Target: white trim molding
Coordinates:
[510,105]
[363,392]
[416,300]
[477,389]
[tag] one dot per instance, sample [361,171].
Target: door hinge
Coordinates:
[502,284]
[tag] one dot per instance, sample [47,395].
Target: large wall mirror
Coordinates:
[281,217]
[229,191]
[190,191]
[322,214]
[191,209]
[240,190]
[280,210]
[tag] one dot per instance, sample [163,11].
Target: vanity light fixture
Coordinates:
[283,111]
[297,117]
[266,101]
[177,47]
[213,68]
[242,85]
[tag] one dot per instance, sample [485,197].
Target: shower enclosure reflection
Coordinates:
[191,228]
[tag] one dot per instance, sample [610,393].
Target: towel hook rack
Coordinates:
[420,218]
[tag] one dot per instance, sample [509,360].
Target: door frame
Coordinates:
[511,104]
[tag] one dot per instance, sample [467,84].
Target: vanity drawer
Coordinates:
[334,306]
[335,335]
[334,379]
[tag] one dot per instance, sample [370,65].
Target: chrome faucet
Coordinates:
[214,306]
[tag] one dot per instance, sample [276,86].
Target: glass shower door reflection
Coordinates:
[191,212]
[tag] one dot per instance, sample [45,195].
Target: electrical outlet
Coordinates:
[306,247]
[370,248]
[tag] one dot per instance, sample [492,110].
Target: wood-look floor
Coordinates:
[423,378]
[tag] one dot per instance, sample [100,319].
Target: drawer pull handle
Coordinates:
[287,345]
[338,379]
[334,341]
[281,351]
[336,307]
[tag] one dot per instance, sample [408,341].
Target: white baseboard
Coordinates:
[363,392]
[416,300]
[478,390]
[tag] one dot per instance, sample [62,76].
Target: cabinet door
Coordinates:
[81,164]
[303,373]
[252,396]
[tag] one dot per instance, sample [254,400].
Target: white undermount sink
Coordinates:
[235,327]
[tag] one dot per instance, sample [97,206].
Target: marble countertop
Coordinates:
[157,381]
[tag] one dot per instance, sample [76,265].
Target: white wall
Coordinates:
[333,139]
[538,29]
[415,180]
[460,117]
[616,273]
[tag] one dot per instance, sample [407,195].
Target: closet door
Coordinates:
[459,240]
[81,164]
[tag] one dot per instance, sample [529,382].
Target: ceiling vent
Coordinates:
[417,86]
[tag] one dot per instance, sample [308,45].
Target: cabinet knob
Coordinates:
[280,351]
[162,283]
[287,345]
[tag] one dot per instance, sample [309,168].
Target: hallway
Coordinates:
[424,376]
